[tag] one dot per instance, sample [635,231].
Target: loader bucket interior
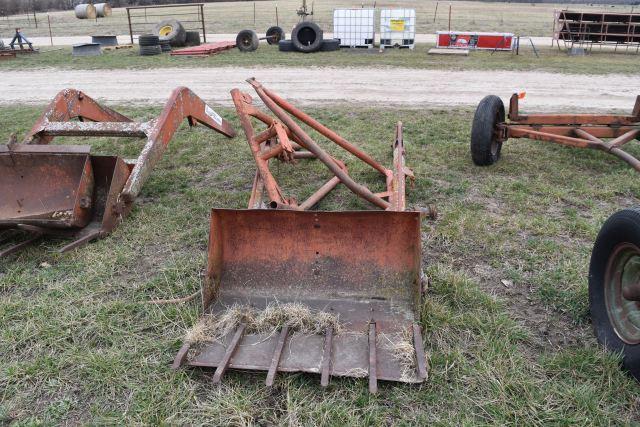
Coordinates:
[361,268]
[59,187]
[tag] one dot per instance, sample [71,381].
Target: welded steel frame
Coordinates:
[575,130]
[94,120]
[285,140]
[350,257]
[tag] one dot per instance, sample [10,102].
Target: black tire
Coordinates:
[307,37]
[150,50]
[165,46]
[193,38]
[275,34]
[620,231]
[330,45]
[247,41]
[171,30]
[485,144]
[286,46]
[148,40]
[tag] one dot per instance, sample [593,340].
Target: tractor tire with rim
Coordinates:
[193,38]
[614,287]
[307,37]
[247,41]
[286,46]
[485,145]
[171,30]
[148,40]
[330,45]
[150,50]
[275,34]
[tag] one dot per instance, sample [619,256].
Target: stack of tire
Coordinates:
[172,32]
[307,37]
[149,45]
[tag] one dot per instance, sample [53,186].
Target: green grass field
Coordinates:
[505,318]
[551,59]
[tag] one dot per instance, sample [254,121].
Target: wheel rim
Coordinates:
[165,31]
[622,286]
[246,41]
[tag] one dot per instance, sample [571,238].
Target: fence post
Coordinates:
[130,30]
[204,31]
[50,34]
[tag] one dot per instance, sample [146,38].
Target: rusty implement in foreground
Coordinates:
[603,132]
[359,269]
[64,190]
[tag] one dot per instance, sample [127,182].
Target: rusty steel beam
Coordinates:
[373,360]
[70,104]
[310,145]
[591,129]
[613,146]
[597,131]
[549,137]
[183,104]
[290,139]
[245,111]
[78,194]
[322,129]
[571,119]
[398,178]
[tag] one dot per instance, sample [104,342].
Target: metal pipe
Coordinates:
[310,145]
[549,137]
[320,194]
[397,197]
[273,191]
[325,131]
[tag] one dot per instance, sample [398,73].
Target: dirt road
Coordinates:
[363,86]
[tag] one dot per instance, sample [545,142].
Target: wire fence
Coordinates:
[527,19]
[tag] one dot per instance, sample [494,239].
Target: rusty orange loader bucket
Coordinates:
[64,190]
[291,289]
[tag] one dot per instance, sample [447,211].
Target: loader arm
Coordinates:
[183,104]
[70,104]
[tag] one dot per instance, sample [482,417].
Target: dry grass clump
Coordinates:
[401,345]
[298,317]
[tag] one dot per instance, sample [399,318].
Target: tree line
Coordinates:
[12,7]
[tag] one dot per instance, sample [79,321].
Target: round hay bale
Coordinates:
[103,10]
[86,11]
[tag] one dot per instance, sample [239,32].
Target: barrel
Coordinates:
[103,10]
[86,11]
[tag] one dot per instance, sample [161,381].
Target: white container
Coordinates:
[85,11]
[398,28]
[354,27]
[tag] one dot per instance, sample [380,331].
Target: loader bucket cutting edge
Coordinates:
[364,267]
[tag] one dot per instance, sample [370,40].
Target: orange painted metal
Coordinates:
[274,142]
[576,130]
[363,267]
[66,190]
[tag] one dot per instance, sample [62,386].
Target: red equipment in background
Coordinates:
[475,40]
